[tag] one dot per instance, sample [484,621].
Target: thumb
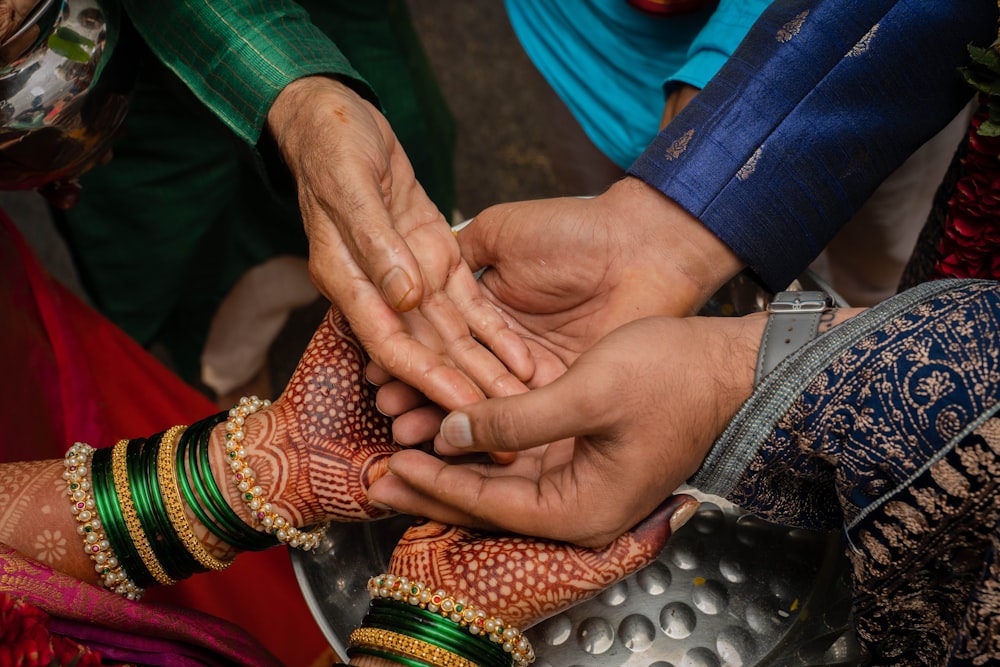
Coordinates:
[519,422]
[477,237]
[653,532]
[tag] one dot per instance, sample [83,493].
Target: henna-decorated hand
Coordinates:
[319,447]
[525,580]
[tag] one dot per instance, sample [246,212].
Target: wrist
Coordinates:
[692,263]
[293,118]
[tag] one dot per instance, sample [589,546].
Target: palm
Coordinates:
[369,221]
[566,273]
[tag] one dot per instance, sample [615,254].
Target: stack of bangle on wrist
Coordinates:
[130,502]
[411,624]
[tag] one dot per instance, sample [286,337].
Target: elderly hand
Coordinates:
[537,578]
[631,420]
[382,252]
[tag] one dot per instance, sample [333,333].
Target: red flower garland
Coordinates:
[25,640]
[972,223]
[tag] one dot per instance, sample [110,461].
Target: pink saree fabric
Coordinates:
[122,631]
[69,375]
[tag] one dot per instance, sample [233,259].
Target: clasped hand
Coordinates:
[600,447]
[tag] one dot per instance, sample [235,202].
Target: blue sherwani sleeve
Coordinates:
[818,105]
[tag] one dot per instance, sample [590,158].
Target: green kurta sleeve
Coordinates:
[237,55]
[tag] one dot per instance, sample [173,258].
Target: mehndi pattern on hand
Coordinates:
[523,579]
[329,426]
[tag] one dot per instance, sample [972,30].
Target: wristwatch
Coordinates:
[792,322]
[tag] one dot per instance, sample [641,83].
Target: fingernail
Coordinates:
[382,506]
[683,514]
[456,429]
[396,286]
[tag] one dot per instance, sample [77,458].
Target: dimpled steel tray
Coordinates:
[728,590]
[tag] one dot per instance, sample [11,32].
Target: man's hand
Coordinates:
[569,271]
[382,252]
[631,420]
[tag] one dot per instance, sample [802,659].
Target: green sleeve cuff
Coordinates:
[237,56]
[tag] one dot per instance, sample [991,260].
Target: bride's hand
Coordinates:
[320,446]
[524,580]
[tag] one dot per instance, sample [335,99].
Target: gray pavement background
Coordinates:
[494,94]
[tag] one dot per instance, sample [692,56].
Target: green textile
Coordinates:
[165,229]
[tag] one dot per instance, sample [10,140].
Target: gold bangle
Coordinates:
[135,530]
[458,610]
[407,646]
[166,473]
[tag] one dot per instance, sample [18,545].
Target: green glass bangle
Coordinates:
[485,648]
[440,640]
[387,655]
[108,508]
[398,616]
[429,630]
[152,512]
[166,544]
[185,484]
[253,539]
[245,536]
[145,501]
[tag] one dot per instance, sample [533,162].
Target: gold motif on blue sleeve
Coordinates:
[865,42]
[792,28]
[680,145]
[746,171]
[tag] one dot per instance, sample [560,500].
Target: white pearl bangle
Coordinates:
[269,520]
[95,542]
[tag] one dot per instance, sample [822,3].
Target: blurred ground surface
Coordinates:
[493,92]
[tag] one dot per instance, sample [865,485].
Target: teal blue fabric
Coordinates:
[611,63]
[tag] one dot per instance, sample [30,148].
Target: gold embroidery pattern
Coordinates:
[923,523]
[792,28]
[680,145]
[747,170]
[864,44]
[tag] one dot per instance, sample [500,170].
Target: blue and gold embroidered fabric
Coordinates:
[886,428]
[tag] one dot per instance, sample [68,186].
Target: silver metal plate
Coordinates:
[729,590]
